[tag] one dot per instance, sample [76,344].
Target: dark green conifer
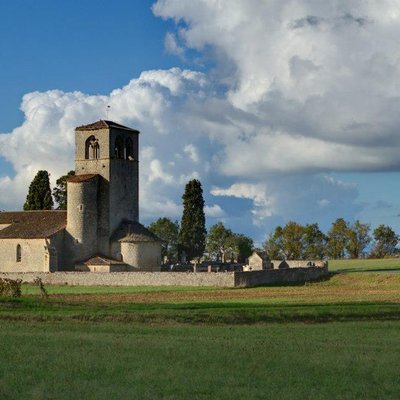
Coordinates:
[39,194]
[192,235]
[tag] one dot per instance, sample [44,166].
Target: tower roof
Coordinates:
[104,124]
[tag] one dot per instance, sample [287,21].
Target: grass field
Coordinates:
[264,361]
[336,339]
[365,265]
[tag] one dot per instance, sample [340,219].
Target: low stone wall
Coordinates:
[219,279]
[280,276]
[299,263]
[223,279]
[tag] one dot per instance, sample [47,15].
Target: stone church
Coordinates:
[100,231]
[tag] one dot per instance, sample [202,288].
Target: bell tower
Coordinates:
[109,151]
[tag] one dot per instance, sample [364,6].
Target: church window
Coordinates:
[119,147]
[128,149]
[92,148]
[19,253]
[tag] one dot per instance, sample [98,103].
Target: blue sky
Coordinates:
[284,110]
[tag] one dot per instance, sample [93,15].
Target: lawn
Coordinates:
[67,360]
[365,264]
[334,339]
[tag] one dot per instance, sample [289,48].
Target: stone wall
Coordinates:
[298,263]
[280,276]
[32,255]
[219,279]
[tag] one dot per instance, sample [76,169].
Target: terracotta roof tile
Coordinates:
[101,260]
[81,178]
[103,124]
[32,224]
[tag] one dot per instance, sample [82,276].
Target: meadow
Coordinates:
[335,339]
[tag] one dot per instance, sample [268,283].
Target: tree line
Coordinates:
[343,240]
[190,237]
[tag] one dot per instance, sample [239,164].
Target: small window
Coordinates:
[128,149]
[19,253]
[119,147]
[81,207]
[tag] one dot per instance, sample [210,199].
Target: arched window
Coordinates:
[119,147]
[128,149]
[96,150]
[92,148]
[18,253]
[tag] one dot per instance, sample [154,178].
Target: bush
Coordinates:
[10,287]
[43,292]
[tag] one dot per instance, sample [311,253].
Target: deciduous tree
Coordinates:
[168,231]
[274,244]
[386,241]
[220,241]
[243,247]
[60,191]
[314,242]
[338,238]
[358,239]
[293,245]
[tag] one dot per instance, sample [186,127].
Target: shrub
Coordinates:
[10,287]
[43,292]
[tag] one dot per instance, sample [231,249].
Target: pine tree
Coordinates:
[60,191]
[39,194]
[192,235]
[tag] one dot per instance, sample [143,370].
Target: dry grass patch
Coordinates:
[356,287]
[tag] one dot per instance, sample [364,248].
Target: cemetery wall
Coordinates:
[216,279]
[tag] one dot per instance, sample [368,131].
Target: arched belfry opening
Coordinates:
[92,148]
[129,149]
[119,147]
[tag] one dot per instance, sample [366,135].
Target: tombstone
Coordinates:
[283,265]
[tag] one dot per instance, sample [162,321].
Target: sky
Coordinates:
[284,109]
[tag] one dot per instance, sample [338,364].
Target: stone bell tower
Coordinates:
[105,189]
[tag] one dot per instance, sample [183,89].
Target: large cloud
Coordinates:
[321,80]
[297,90]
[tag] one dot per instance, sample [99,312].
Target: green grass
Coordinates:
[365,264]
[336,339]
[30,289]
[68,360]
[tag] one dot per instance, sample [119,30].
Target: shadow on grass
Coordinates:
[225,313]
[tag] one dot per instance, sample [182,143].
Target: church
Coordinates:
[100,231]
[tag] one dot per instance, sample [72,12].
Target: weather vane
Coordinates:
[107,110]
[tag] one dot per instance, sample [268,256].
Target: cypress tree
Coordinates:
[39,194]
[192,235]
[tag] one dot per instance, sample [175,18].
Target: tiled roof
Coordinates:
[104,124]
[81,178]
[133,232]
[101,260]
[32,224]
